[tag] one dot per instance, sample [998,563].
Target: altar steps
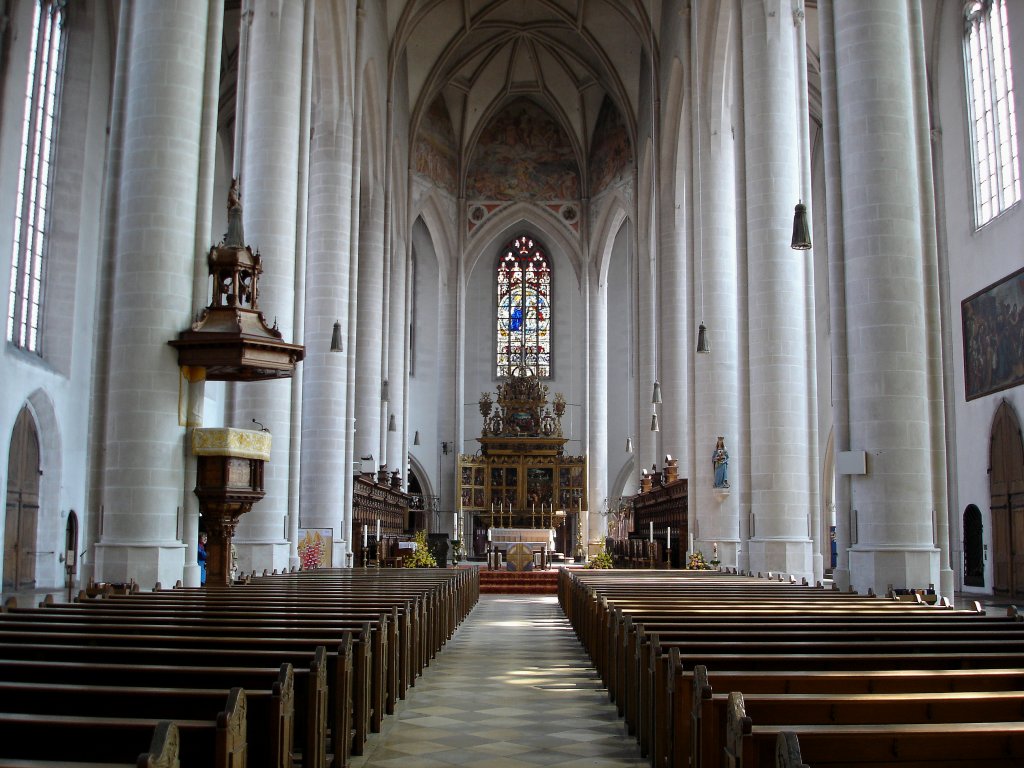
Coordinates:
[518,582]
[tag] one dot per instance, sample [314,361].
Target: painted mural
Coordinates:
[435,147]
[523,154]
[610,155]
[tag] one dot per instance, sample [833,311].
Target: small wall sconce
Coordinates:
[336,337]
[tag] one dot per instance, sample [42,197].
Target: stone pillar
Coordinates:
[142,486]
[270,171]
[369,323]
[597,403]
[716,374]
[885,372]
[398,346]
[326,468]
[780,487]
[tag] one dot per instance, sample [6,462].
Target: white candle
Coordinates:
[455,523]
[668,538]
[652,531]
[488,534]
[364,535]
[378,529]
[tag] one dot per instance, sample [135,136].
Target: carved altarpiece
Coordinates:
[522,479]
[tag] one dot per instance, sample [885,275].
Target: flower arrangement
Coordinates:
[420,557]
[601,560]
[696,562]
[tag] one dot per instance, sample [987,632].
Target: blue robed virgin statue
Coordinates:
[720,462]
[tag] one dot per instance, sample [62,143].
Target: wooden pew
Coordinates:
[220,742]
[786,709]
[271,695]
[346,670]
[628,626]
[163,753]
[992,744]
[693,696]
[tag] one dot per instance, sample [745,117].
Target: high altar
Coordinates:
[521,486]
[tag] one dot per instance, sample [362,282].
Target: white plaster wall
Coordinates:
[976,258]
[55,385]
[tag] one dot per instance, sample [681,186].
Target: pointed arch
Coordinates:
[1006,488]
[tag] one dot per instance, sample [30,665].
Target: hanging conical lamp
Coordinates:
[656,395]
[801,229]
[392,426]
[416,438]
[336,337]
[703,345]
[654,423]
[629,445]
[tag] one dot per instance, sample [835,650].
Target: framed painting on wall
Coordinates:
[993,329]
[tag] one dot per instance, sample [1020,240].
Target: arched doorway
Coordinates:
[974,548]
[22,504]
[1006,483]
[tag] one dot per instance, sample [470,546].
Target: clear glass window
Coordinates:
[31,216]
[993,119]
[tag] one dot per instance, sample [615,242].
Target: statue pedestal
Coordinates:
[229,480]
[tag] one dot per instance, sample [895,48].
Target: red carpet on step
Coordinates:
[519,582]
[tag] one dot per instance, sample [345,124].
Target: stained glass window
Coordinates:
[524,310]
[34,175]
[991,108]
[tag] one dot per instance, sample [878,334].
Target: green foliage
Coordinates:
[420,557]
[601,560]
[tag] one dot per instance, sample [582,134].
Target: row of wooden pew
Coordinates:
[294,667]
[712,669]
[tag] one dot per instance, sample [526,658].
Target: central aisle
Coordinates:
[512,689]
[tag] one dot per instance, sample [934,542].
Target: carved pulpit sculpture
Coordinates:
[231,341]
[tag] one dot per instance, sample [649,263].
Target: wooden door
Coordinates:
[22,504]
[1006,461]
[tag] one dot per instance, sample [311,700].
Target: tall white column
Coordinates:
[780,487]
[325,466]
[370,326]
[152,294]
[270,173]
[597,403]
[885,262]
[398,326]
[716,374]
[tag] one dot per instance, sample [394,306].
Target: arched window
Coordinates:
[31,221]
[991,108]
[524,310]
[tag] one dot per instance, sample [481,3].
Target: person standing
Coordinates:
[201,557]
